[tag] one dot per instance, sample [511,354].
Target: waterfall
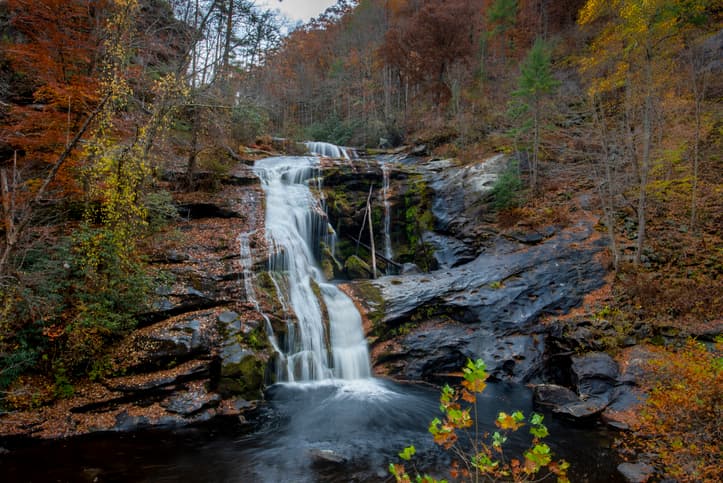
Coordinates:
[295,227]
[330,150]
[388,252]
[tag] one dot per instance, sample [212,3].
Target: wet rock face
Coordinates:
[595,374]
[494,303]
[346,187]
[449,252]
[458,191]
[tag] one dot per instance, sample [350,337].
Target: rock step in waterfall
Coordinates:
[295,226]
[330,150]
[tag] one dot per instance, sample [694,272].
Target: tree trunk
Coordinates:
[607,196]
[227,40]
[193,154]
[696,162]
[645,160]
[8,211]
[698,82]
[535,147]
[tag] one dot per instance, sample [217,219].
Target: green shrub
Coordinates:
[70,299]
[506,190]
[248,121]
[332,130]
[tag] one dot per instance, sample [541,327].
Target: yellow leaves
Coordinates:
[635,30]
[592,10]
[126,4]
[511,422]
[611,82]
[682,411]
[474,386]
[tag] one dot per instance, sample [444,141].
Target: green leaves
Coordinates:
[537,458]
[488,458]
[536,72]
[475,376]
[498,440]
[408,452]
[484,463]
[537,429]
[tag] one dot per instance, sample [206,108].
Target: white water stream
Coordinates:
[330,150]
[388,251]
[295,227]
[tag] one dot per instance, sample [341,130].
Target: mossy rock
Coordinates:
[324,313]
[242,372]
[357,268]
[328,268]
[372,298]
[329,264]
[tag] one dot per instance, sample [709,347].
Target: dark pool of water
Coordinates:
[366,423]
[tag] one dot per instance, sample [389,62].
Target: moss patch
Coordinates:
[371,297]
[357,268]
[244,378]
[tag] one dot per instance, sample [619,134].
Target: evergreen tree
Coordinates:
[535,85]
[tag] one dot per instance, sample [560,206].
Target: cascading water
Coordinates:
[330,150]
[388,251]
[295,227]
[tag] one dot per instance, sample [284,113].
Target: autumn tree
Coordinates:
[438,36]
[83,284]
[53,45]
[225,41]
[632,53]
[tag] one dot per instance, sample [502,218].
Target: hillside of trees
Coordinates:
[101,99]
[624,96]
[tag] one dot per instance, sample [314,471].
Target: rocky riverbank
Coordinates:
[201,352]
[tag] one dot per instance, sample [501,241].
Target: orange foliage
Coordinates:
[424,45]
[681,420]
[54,49]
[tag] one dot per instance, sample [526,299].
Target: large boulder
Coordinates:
[595,375]
[195,399]
[636,472]
[357,268]
[489,306]
[242,372]
[554,396]
[582,409]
